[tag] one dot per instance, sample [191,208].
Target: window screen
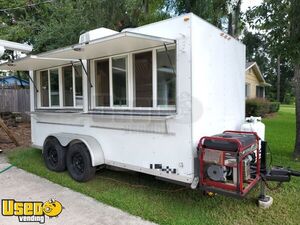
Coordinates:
[102,83]
[143,79]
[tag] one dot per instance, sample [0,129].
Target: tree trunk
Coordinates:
[297,95]
[230,26]
[146,6]
[188,6]
[237,12]
[278,78]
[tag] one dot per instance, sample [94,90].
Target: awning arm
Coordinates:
[32,81]
[85,71]
[169,58]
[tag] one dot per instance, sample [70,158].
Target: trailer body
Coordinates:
[156,140]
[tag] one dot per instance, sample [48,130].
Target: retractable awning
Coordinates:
[119,43]
[34,63]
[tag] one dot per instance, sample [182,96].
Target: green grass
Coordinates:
[156,200]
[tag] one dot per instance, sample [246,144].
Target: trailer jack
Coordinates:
[276,173]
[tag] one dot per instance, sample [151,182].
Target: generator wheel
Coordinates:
[54,155]
[79,163]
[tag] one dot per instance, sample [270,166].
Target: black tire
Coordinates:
[79,163]
[54,155]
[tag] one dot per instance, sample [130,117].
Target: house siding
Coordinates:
[253,82]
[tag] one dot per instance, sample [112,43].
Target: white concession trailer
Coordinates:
[139,99]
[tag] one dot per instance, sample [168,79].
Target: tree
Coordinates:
[211,10]
[53,24]
[279,23]
[294,17]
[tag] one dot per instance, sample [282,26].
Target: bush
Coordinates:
[257,107]
[274,107]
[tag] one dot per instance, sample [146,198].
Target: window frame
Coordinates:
[130,82]
[60,88]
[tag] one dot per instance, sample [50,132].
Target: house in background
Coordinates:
[13,82]
[255,82]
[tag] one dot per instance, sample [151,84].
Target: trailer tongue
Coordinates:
[232,163]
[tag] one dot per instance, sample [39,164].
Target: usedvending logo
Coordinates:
[32,211]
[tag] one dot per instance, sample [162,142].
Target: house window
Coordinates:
[260,92]
[119,77]
[247,90]
[54,87]
[44,88]
[143,79]
[166,77]
[102,83]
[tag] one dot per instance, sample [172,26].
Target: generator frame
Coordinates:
[237,190]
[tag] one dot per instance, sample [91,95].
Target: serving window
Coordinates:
[60,87]
[139,80]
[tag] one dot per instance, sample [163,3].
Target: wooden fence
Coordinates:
[15,100]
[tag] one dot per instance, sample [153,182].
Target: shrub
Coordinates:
[257,107]
[274,107]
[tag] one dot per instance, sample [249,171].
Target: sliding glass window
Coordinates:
[78,85]
[67,80]
[166,77]
[119,77]
[44,88]
[102,89]
[143,79]
[54,87]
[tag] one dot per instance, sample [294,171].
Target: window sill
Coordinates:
[58,110]
[135,112]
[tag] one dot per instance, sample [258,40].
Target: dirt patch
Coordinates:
[22,132]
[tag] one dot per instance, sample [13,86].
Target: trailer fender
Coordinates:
[94,147]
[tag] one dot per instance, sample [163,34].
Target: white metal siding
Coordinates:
[218,80]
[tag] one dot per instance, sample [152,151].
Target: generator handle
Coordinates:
[243,132]
[200,145]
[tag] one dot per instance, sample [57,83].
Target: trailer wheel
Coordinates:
[54,155]
[79,163]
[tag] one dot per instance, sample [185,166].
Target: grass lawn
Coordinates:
[151,201]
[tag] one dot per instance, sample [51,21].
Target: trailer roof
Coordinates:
[110,45]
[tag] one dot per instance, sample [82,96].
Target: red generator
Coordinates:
[229,162]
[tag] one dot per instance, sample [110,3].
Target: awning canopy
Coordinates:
[119,43]
[34,63]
